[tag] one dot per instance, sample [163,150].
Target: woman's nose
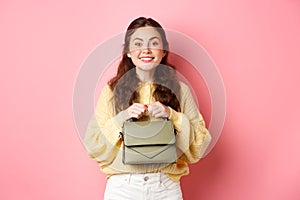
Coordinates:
[146,49]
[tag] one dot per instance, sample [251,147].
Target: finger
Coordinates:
[157,104]
[160,114]
[136,112]
[149,108]
[140,107]
[157,112]
[134,115]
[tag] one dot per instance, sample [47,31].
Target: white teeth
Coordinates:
[146,59]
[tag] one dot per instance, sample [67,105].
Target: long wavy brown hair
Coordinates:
[124,85]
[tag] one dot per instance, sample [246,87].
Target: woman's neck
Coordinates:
[145,76]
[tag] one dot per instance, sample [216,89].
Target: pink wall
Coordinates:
[255,44]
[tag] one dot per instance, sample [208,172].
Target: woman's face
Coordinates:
[146,48]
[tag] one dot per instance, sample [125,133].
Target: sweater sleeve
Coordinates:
[102,139]
[192,138]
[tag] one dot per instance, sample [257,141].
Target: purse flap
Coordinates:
[148,133]
[150,151]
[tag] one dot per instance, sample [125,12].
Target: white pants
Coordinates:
[156,186]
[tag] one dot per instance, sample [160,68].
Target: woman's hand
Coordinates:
[136,110]
[159,110]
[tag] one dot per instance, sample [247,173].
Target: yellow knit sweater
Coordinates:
[104,144]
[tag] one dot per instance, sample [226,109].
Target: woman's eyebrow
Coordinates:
[155,37]
[137,39]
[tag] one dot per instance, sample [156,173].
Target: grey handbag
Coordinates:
[149,142]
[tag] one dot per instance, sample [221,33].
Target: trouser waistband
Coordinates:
[141,178]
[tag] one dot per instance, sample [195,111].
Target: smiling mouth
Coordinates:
[146,59]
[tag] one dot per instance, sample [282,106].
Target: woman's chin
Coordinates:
[147,66]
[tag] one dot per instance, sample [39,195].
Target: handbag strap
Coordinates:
[133,119]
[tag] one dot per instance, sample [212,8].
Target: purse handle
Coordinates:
[133,118]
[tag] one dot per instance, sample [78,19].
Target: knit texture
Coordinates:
[104,144]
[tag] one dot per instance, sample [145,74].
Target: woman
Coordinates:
[145,88]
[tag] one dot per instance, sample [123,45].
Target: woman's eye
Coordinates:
[155,43]
[138,44]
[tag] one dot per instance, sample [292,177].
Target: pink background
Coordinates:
[254,43]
